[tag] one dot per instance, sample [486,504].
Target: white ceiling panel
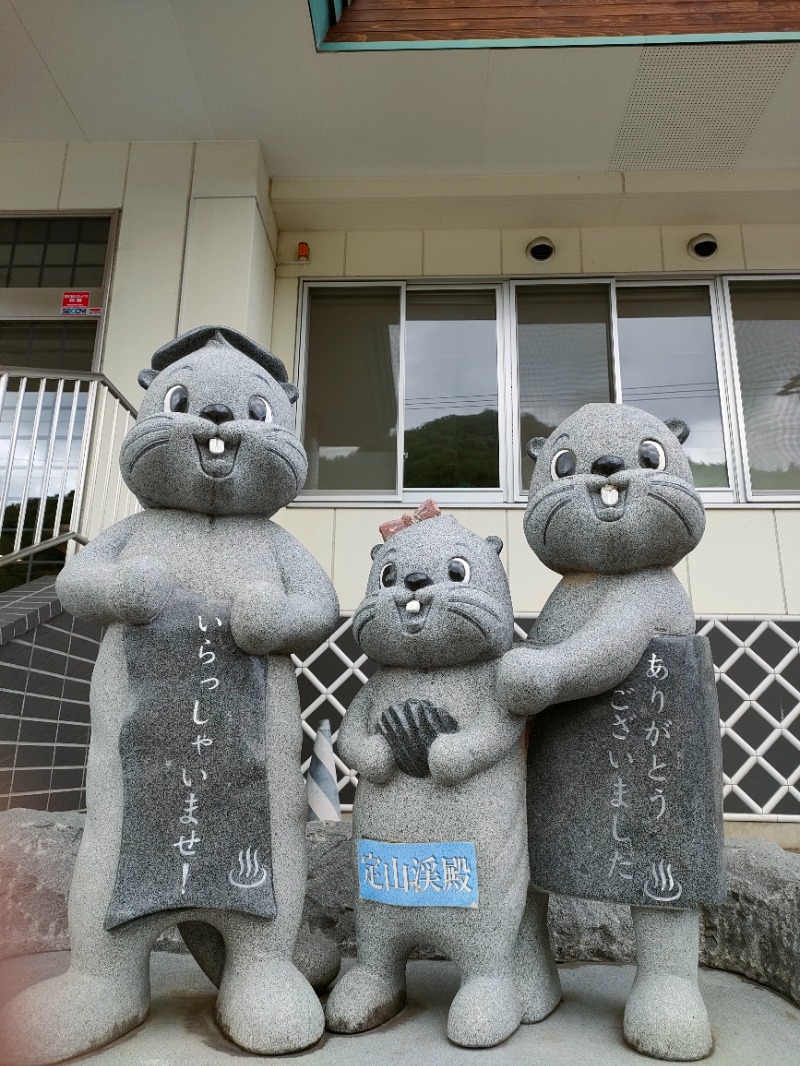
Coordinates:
[31,106]
[121,66]
[775,142]
[553,110]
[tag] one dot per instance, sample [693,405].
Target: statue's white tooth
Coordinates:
[412,606]
[216,446]
[609,495]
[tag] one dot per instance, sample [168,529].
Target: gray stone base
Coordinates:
[756,932]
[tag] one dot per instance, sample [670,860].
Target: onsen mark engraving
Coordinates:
[250,873]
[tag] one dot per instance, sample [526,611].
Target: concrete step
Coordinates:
[752,1025]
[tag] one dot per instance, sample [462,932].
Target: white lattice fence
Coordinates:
[757,663]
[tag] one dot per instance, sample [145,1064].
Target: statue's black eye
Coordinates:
[563,464]
[458,570]
[177,400]
[388,575]
[260,410]
[651,455]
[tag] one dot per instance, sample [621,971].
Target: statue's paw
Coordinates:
[257,614]
[269,1008]
[666,1018]
[141,589]
[362,999]
[66,1016]
[485,1012]
[374,760]
[449,760]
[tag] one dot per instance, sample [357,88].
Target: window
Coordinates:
[413,389]
[766,321]
[56,253]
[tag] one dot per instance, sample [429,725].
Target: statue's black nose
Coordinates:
[417,580]
[607,465]
[217,412]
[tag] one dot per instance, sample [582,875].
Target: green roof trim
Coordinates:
[541,42]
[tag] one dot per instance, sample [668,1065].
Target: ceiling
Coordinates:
[247,69]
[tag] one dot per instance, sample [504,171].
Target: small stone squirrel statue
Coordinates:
[439,811]
[633,711]
[196,806]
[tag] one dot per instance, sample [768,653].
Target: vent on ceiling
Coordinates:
[695,106]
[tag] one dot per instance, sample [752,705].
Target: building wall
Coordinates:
[196,241]
[745,563]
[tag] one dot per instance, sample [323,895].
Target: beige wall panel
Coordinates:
[30,176]
[326,254]
[729,255]
[356,532]
[219,262]
[772,247]
[682,574]
[313,527]
[531,581]
[565,260]
[94,176]
[735,568]
[384,253]
[143,309]
[226,168]
[788,525]
[262,284]
[264,331]
[461,252]
[621,249]
[284,322]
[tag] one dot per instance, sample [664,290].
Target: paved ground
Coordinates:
[753,1026]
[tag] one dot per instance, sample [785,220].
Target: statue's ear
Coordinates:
[495,543]
[146,377]
[290,391]
[678,427]
[534,446]
[375,551]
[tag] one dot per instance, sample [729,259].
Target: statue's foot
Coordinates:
[268,1008]
[362,999]
[539,993]
[68,1015]
[485,1012]
[666,1018]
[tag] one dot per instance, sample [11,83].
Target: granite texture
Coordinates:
[612,508]
[436,617]
[623,790]
[212,456]
[755,932]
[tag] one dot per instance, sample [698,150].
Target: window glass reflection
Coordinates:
[668,367]
[350,425]
[564,357]
[766,318]
[451,431]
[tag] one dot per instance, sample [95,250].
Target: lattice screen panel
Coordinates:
[757,663]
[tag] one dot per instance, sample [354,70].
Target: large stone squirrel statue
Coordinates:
[624,770]
[196,804]
[439,812]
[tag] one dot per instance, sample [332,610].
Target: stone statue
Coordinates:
[439,812]
[196,805]
[624,769]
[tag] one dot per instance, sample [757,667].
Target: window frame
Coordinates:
[747,493]
[512,493]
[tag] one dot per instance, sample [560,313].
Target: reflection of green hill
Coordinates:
[454,452]
[49,561]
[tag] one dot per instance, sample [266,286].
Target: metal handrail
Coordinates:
[62,445]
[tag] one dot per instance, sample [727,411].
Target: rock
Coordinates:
[756,932]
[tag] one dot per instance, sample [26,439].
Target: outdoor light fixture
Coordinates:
[541,249]
[303,255]
[703,246]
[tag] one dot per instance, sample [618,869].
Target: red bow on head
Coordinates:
[427,509]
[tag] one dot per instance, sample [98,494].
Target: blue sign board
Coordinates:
[418,875]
